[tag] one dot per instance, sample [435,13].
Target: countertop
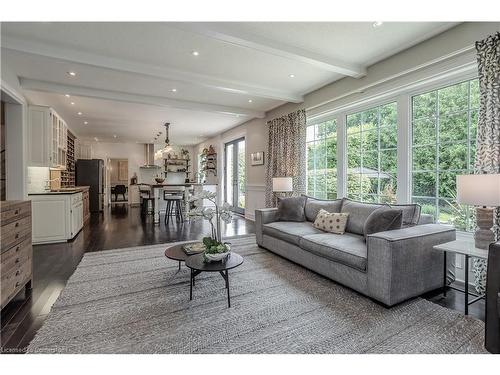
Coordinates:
[63,191]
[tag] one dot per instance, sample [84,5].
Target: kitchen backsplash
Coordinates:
[37,179]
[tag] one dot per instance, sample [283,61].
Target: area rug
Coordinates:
[133,301]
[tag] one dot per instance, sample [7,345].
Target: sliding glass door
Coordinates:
[234,175]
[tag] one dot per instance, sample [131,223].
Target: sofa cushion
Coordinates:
[289,231]
[383,219]
[358,213]
[313,205]
[291,209]
[348,249]
[411,213]
[333,222]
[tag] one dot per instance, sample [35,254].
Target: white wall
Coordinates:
[15,135]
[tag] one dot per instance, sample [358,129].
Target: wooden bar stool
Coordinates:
[174,201]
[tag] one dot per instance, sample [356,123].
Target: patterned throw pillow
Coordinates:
[332,222]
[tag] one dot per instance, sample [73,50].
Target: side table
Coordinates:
[468,250]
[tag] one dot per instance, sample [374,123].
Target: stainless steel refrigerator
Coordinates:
[90,172]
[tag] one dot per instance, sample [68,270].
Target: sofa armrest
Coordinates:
[402,263]
[264,216]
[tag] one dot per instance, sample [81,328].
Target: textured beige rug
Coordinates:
[132,301]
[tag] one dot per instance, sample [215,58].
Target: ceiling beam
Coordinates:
[172,74]
[44,86]
[230,34]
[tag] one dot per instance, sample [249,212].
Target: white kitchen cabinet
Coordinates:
[47,138]
[134,198]
[56,217]
[83,150]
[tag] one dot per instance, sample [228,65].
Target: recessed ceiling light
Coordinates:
[85,122]
[79,113]
[67,95]
[114,135]
[377,24]
[72,74]
[250,100]
[195,53]
[291,75]
[72,103]
[174,90]
[96,139]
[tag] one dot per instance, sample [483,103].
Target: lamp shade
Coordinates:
[479,189]
[282,184]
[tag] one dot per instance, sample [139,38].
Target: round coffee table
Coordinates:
[197,266]
[176,253]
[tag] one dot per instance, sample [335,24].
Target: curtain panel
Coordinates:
[488,130]
[286,153]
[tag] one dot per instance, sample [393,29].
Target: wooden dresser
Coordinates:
[16,251]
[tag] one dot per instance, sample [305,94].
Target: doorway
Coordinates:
[234,175]
[118,180]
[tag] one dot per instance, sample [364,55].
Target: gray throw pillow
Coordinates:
[358,213]
[314,205]
[291,209]
[411,213]
[383,219]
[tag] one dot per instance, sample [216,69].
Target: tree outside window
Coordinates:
[444,124]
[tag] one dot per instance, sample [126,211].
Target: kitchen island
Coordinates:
[188,189]
[58,215]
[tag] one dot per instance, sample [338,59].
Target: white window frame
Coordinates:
[403,98]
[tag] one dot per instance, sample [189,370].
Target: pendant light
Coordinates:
[162,153]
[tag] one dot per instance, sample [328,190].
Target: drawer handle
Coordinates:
[17,236]
[17,284]
[17,249]
[17,260]
[16,212]
[17,273]
[17,224]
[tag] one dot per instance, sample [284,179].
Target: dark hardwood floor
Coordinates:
[119,226]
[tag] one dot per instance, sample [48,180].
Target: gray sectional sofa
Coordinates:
[390,266]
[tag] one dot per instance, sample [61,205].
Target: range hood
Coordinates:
[149,157]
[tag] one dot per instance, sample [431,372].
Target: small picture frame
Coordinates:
[257,158]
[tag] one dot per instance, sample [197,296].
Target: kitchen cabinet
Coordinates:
[57,217]
[83,150]
[47,138]
[86,205]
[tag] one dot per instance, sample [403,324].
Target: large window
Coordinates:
[372,154]
[444,124]
[322,160]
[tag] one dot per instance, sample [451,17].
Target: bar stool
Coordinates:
[174,201]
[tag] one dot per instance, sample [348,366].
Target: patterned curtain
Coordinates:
[287,153]
[488,129]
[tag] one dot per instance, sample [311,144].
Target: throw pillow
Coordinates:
[411,213]
[291,209]
[358,213]
[313,205]
[332,222]
[383,219]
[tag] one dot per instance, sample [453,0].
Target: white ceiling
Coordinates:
[126,71]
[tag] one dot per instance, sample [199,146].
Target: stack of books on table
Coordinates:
[193,248]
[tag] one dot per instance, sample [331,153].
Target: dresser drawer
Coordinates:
[16,256]
[15,212]
[14,281]
[14,232]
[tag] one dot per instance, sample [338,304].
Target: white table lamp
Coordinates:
[482,190]
[282,184]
